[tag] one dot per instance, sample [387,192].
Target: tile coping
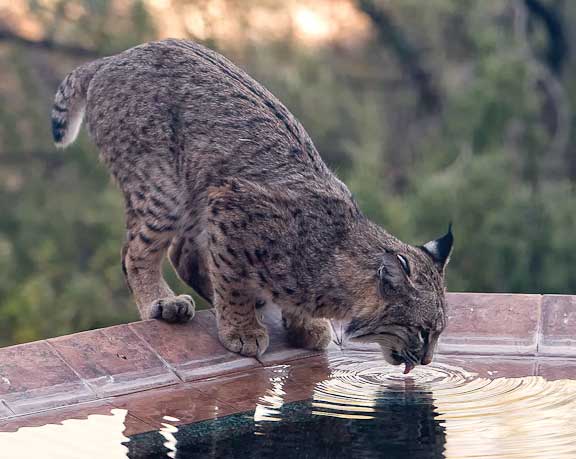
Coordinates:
[104,364]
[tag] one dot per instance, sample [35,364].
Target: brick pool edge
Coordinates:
[101,365]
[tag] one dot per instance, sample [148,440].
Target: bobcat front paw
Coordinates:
[177,309]
[248,342]
[314,334]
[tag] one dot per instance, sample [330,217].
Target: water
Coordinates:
[363,409]
[471,416]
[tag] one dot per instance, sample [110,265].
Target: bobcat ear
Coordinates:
[440,249]
[391,273]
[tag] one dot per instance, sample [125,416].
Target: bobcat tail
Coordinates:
[70,103]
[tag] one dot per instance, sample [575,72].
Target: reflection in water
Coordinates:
[271,403]
[441,407]
[99,436]
[361,408]
[353,414]
[168,431]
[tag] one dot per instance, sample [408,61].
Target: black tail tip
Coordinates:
[58,130]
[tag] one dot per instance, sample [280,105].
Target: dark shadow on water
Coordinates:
[403,425]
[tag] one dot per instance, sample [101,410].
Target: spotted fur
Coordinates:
[219,174]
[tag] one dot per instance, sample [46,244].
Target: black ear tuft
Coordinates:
[440,249]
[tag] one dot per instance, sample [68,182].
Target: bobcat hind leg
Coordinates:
[189,262]
[307,332]
[150,231]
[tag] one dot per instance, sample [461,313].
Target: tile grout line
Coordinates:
[543,358]
[294,359]
[59,408]
[84,382]
[111,403]
[539,326]
[149,346]
[238,409]
[228,404]
[11,412]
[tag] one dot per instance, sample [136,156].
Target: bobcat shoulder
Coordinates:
[217,173]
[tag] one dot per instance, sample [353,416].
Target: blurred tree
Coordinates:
[431,111]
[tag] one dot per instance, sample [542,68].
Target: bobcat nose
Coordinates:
[428,350]
[426,359]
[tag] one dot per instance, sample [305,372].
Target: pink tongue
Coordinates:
[408,368]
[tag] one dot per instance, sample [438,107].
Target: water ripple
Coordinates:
[481,417]
[440,410]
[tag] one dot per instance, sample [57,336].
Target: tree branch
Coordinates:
[406,54]
[545,78]
[557,51]
[47,44]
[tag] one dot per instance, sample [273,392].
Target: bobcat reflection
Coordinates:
[400,425]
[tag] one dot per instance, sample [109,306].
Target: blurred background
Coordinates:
[431,111]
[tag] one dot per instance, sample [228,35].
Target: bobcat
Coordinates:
[217,173]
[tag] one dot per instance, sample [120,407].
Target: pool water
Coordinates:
[364,409]
[367,409]
[302,434]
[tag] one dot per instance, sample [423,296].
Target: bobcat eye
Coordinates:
[404,263]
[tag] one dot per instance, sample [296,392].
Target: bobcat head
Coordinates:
[411,312]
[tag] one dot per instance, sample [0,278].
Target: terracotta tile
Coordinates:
[33,378]
[304,375]
[133,426]
[181,404]
[477,323]
[113,360]
[297,382]
[491,366]
[5,411]
[243,390]
[192,350]
[81,411]
[278,384]
[491,323]
[280,350]
[296,392]
[311,370]
[558,332]
[553,369]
